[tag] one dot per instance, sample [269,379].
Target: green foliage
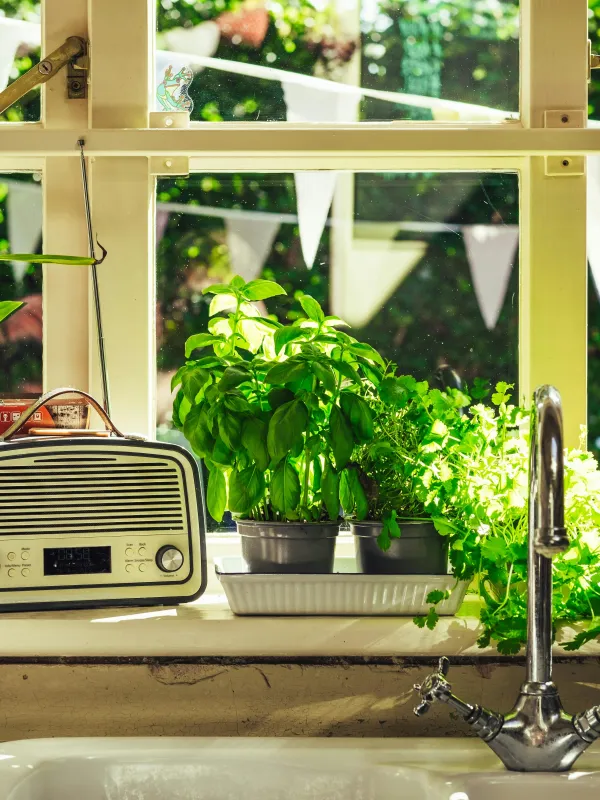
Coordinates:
[8,307]
[272,412]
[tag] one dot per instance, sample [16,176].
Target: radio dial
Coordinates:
[169,558]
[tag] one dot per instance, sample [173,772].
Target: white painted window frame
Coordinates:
[126,155]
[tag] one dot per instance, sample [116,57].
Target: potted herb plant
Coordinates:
[398,486]
[486,527]
[275,412]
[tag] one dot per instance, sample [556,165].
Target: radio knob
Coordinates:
[169,558]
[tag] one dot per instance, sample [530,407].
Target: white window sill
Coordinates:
[207,628]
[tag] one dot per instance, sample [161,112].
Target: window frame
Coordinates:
[125,152]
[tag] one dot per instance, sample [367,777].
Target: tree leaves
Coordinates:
[285,428]
[246,489]
[285,488]
[340,437]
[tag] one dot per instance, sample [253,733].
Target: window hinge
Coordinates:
[78,73]
[593,60]
[169,165]
[564,166]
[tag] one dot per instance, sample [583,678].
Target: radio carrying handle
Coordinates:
[45,398]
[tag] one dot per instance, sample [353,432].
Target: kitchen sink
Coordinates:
[277,769]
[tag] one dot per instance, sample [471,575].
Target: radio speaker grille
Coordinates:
[91,492]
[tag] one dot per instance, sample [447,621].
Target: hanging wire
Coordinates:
[96,292]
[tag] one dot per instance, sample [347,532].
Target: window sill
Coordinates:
[207,628]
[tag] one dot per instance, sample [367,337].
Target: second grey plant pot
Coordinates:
[420,550]
[289,547]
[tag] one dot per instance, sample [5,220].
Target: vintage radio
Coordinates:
[97,519]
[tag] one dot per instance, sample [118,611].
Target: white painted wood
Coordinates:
[553,297]
[283,142]
[123,203]
[65,290]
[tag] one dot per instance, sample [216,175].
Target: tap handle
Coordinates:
[434,687]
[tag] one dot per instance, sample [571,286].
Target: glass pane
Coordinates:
[21,333]
[20,37]
[406,57]
[423,268]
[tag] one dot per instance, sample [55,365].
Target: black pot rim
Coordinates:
[287,530]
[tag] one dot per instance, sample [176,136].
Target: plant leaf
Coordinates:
[277,397]
[8,307]
[246,489]
[254,439]
[234,376]
[324,373]
[287,334]
[261,290]
[285,488]
[216,494]
[45,258]
[220,302]
[219,288]
[286,427]
[330,490]
[287,371]
[197,431]
[192,382]
[230,429]
[340,437]
[358,412]
[201,340]
[359,499]
[311,308]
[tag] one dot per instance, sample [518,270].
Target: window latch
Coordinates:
[72,52]
[593,60]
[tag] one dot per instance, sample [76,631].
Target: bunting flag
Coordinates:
[593,218]
[250,242]
[315,190]
[199,40]
[24,208]
[491,251]
[369,275]
[10,39]
[162,220]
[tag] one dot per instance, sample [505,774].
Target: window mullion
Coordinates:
[65,293]
[123,210]
[553,297]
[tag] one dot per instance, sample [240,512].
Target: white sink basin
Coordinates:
[276,769]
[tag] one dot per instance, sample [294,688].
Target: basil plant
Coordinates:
[275,411]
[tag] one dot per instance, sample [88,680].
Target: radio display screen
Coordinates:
[76,560]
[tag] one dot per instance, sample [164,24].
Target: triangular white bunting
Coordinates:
[315,190]
[370,274]
[162,220]
[249,243]
[491,251]
[24,207]
[593,218]
[10,39]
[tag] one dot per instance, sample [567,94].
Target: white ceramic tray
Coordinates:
[341,593]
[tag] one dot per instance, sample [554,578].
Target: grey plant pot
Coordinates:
[419,551]
[290,547]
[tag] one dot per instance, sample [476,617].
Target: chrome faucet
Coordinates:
[537,735]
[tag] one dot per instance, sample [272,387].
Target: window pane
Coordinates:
[400,267]
[21,333]
[20,36]
[432,50]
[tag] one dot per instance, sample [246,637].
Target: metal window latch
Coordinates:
[72,52]
[593,60]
